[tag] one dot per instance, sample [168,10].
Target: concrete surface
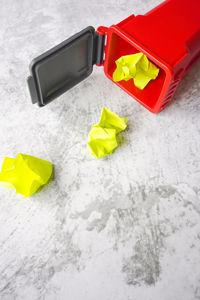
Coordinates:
[126,227]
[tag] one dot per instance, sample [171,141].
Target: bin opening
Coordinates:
[118,47]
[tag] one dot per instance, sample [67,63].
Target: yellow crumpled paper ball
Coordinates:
[136,66]
[25,173]
[102,137]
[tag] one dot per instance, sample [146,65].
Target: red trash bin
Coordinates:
[169,35]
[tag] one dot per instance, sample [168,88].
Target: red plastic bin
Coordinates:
[169,35]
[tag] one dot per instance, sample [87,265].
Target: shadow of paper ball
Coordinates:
[121,139]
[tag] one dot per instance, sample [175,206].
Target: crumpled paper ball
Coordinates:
[135,66]
[26,174]
[103,136]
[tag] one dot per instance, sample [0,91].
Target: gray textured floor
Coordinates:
[124,227]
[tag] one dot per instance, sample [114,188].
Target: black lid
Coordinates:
[63,66]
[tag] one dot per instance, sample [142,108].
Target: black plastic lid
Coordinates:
[63,66]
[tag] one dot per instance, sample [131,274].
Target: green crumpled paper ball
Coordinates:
[135,66]
[102,141]
[26,174]
[103,136]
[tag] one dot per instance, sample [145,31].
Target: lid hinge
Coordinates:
[99,47]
